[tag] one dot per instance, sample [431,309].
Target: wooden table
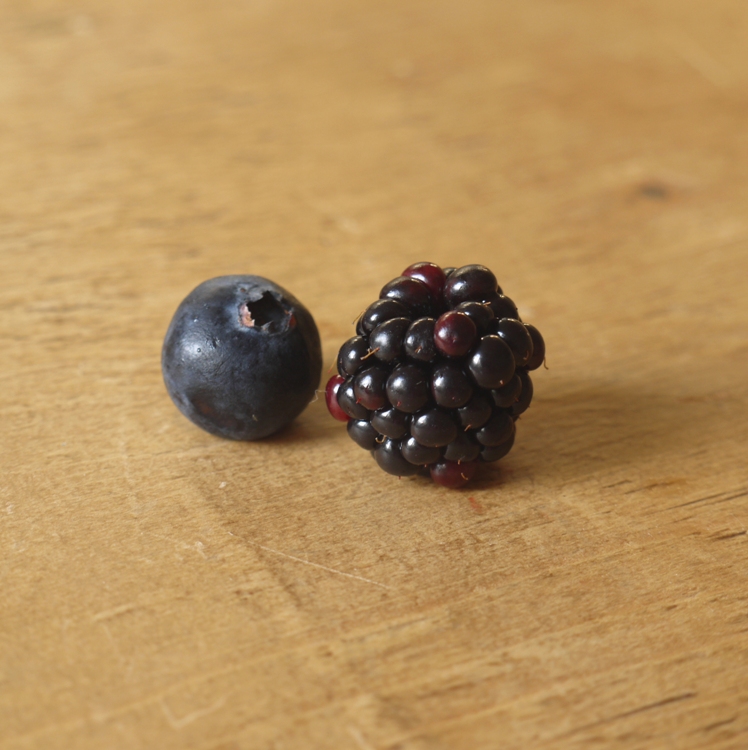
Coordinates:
[162,588]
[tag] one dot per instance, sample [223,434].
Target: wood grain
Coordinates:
[163,588]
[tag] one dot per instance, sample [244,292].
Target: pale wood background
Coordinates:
[161,588]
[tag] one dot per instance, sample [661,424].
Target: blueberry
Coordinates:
[241,357]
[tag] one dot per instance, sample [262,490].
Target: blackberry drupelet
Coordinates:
[437,374]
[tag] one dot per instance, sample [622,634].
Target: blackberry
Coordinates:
[408,388]
[516,336]
[363,432]
[351,355]
[345,395]
[437,374]
[453,474]
[419,340]
[390,422]
[420,455]
[508,394]
[450,386]
[463,448]
[476,412]
[480,313]
[414,294]
[369,387]
[491,363]
[387,339]
[380,311]
[434,428]
[431,275]
[331,398]
[455,333]
[390,458]
[502,307]
[470,284]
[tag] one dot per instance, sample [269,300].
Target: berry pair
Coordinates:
[437,374]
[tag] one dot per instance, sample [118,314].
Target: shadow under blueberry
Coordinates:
[314,424]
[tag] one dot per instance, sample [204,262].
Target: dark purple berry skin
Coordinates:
[474,283]
[377,312]
[491,363]
[362,433]
[437,376]
[241,357]
[411,293]
[351,355]
[454,333]
[520,407]
[498,451]
[481,314]
[431,275]
[386,340]
[463,448]
[417,454]
[349,403]
[497,430]
[476,412]
[508,394]
[452,474]
[434,428]
[370,387]
[390,422]
[517,338]
[389,458]
[503,307]
[408,388]
[331,398]
[450,387]
[419,340]
[538,348]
